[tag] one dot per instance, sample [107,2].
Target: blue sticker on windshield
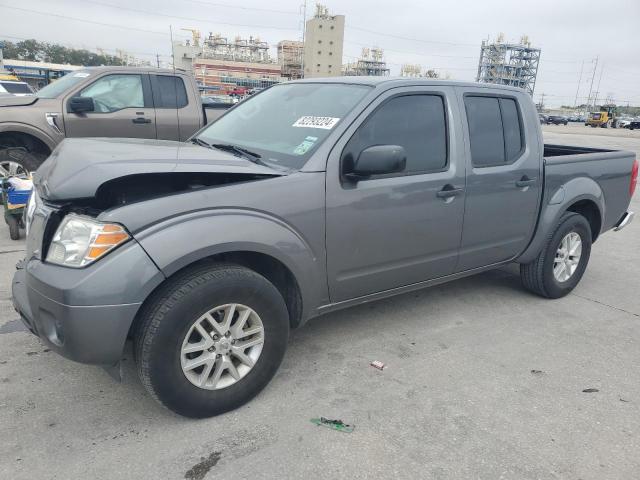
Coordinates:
[305,146]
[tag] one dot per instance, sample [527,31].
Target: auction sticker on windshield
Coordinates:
[326,123]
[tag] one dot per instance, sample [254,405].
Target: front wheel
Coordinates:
[562,262]
[18,161]
[211,339]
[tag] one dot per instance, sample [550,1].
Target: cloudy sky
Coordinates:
[444,35]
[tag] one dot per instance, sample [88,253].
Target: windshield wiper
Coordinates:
[243,152]
[240,151]
[200,142]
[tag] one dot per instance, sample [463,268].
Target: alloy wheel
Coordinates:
[567,257]
[222,346]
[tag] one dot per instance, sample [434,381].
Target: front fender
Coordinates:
[555,204]
[27,129]
[177,242]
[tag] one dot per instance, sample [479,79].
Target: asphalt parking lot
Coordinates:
[483,380]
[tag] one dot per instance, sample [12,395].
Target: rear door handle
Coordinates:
[141,120]
[525,182]
[449,191]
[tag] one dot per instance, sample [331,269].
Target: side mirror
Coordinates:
[378,160]
[81,104]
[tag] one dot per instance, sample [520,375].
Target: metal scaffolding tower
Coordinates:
[509,63]
[371,63]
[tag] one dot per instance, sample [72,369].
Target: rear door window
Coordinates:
[495,130]
[512,130]
[168,92]
[15,87]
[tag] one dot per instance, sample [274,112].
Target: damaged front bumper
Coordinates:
[85,314]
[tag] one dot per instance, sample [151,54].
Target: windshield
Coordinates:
[287,122]
[60,86]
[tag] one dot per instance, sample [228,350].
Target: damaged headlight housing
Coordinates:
[81,240]
[32,203]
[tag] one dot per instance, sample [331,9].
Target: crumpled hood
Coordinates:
[78,166]
[15,101]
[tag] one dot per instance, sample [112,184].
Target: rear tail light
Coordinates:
[634,178]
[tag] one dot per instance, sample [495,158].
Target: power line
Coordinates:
[240,7]
[421,54]
[57,15]
[390,35]
[191,19]
[85,47]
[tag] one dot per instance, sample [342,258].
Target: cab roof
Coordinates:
[404,82]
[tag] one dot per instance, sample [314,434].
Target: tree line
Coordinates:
[36,51]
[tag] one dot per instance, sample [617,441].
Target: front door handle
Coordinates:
[525,182]
[141,120]
[449,191]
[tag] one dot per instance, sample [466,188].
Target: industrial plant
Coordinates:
[514,64]
[370,63]
[236,65]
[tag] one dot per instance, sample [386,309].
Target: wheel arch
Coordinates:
[581,195]
[33,139]
[588,208]
[268,266]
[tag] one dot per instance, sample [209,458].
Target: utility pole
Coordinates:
[575,102]
[304,33]
[173,57]
[598,89]
[593,77]
[158,60]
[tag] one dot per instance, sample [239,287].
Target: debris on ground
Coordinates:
[590,390]
[334,424]
[537,372]
[377,364]
[200,469]
[623,400]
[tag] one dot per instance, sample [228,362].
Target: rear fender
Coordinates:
[555,205]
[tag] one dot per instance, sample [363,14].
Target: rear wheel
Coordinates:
[562,262]
[210,339]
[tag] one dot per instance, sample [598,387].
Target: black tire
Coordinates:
[538,276]
[166,318]
[29,161]
[14,227]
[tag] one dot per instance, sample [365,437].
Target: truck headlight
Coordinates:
[82,240]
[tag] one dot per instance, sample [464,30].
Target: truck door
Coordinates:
[122,108]
[504,177]
[177,117]
[394,230]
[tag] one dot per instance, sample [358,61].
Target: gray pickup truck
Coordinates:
[100,102]
[309,197]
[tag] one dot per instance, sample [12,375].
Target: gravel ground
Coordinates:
[483,380]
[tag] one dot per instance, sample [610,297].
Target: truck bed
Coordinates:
[609,169]
[561,150]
